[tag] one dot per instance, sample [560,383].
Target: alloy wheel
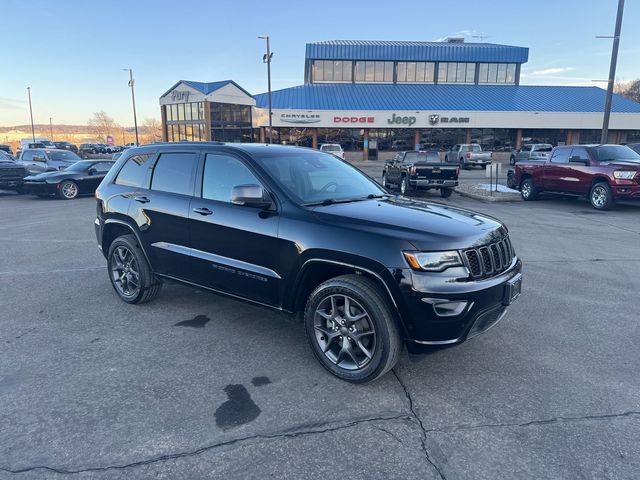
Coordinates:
[526,189]
[344,332]
[599,197]
[124,272]
[69,190]
[403,186]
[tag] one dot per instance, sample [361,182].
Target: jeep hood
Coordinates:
[425,225]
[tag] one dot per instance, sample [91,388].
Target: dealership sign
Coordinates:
[354,119]
[300,117]
[180,96]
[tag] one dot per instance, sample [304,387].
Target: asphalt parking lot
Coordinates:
[194,385]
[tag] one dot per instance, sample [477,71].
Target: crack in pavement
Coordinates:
[423,436]
[549,421]
[172,456]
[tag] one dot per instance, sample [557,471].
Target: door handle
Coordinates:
[142,199]
[203,211]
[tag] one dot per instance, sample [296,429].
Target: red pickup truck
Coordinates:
[602,173]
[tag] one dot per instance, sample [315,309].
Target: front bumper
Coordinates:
[424,296]
[433,183]
[40,188]
[626,191]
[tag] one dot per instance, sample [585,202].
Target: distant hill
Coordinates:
[44,129]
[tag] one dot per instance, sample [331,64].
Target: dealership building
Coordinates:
[386,95]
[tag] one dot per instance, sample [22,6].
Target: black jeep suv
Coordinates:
[298,230]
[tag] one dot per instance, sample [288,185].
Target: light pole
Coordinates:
[33,130]
[133,100]
[612,73]
[266,58]
[50,129]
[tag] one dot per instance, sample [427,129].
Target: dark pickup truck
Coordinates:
[11,173]
[602,173]
[415,169]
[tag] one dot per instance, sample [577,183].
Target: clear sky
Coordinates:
[71,52]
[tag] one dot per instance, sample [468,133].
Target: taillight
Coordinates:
[414,170]
[468,155]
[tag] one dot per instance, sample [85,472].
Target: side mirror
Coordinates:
[250,196]
[38,158]
[92,171]
[576,159]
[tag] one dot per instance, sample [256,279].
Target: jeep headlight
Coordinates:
[433,261]
[624,174]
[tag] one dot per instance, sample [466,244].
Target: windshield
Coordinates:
[64,156]
[543,148]
[422,157]
[608,153]
[331,148]
[313,177]
[78,166]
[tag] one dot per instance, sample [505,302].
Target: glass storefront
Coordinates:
[554,137]
[230,122]
[495,139]
[185,121]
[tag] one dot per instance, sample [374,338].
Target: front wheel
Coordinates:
[352,329]
[404,186]
[528,190]
[68,190]
[601,197]
[512,160]
[446,158]
[446,192]
[385,184]
[129,271]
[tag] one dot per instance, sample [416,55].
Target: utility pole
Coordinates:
[33,130]
[612,73]
[267,59]
[50,129]
[133,100]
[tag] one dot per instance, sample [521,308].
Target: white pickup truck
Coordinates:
[468,154]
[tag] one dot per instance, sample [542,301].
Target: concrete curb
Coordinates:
[497,197]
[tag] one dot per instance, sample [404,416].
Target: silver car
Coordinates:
[531,151]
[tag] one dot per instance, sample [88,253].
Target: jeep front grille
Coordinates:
[489,260]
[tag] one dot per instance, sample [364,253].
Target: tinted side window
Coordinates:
[134,171]
[102,167]
[27,156]
[526,148]
[410,157]
[174,173]
[581,153]
[221,174]
[561,155]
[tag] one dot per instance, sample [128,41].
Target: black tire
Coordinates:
[528,189]
[377,333]
[511,179]
[446,158]
[446,192]
[385,184]
[512,160]
[68,190]
[484,166]
[148,285]
[405,187]
[465,166]
[601,196]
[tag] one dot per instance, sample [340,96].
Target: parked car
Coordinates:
[40,142]
[66,146]
[112,149]
[531,151]
[129,145]
[467,155]
[38,160]
[81,178]
[299,230]
[6,148]
[413,170]
[88,149]
[603,173]
[11,172]
[333,149]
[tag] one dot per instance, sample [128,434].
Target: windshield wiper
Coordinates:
[332,201]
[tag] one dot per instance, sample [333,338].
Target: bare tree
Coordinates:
[152,130]
[102,125]
[632,90]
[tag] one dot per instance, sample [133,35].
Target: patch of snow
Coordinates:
[501,188]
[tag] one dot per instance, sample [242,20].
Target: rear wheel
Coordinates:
[129,271]
[484,166]
[446,192]
[528,189]
[68,190]
[352,329]
[385,184]
[465,166]
[446,158]
[601,197]
[512,160]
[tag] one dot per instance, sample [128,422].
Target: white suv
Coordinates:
[333,149]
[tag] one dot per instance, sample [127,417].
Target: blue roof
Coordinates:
[206,87]
[500,98]
[416,51]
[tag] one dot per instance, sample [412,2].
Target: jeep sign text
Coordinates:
[398,120]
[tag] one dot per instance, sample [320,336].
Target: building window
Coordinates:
[184,121]
[452,72]
[374,72]
[332,70]
[415,72]
[497,73]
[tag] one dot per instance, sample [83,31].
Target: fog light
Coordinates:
[447,308]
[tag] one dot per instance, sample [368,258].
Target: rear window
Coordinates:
[134,172]
[174,173]
[331,148]
[543,148]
